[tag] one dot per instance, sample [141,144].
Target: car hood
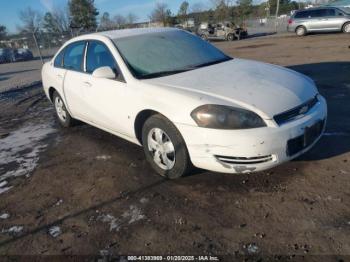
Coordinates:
[267,89]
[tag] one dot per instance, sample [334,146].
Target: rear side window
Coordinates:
[73,56]
[302,14]
[98,55]
[59,59]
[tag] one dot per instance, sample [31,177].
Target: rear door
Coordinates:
[75,80]
[59,72]
[315,19]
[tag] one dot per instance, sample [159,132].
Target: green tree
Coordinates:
[83,14]
[222,10]
[3,32]
[183,12]
[244,9]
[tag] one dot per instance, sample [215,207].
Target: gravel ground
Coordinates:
[82,191]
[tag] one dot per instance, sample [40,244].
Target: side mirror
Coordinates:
[104,72]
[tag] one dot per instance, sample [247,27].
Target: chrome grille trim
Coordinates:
[244,160]
[293,113]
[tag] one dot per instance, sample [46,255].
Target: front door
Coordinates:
[105,99]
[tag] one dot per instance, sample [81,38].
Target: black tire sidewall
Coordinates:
[182,160]
[69,120]
[343,28]
[230,37]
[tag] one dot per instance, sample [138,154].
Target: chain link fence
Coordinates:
[50,43]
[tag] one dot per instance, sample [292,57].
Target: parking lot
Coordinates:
[83,191]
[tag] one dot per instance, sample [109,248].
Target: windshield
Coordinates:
[165,53]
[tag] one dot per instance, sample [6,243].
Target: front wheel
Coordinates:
[346,28]
[204,37]
[230,37]
[165,148]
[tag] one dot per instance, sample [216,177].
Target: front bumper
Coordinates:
[251,150]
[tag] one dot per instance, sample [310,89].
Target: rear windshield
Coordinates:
[164,53]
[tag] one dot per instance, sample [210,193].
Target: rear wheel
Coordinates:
[346,28]
[300,31]
[63,116]
[165,148]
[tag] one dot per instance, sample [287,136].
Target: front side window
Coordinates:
[73,56]
[98,55]
[330,12]
[169,52]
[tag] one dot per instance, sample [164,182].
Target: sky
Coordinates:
[142,8]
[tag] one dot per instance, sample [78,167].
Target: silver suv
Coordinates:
[322,19]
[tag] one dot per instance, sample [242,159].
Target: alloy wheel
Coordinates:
[161,148]
[60,109]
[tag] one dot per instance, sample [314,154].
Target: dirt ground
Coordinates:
[82,191]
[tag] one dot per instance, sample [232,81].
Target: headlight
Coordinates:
[225,117]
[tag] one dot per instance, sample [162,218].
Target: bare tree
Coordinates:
[105,22]
[161,13]
[31,22]
[119,21]
[61,15]
[131,18]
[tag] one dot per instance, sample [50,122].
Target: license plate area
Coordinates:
[310,135]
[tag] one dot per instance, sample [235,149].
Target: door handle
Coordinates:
[87,84]
[60,76]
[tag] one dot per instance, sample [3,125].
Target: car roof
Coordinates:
[116,34]
[317,8]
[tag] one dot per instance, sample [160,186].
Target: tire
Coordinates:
[204,37]
[165,148]
[346,28]
[62,114]
[230,37]
[300,31]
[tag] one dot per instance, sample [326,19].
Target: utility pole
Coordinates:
[277,10]
[38,47]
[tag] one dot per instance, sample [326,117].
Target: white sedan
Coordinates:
[186,102]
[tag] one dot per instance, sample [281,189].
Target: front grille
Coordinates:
[295,112]
[244,160]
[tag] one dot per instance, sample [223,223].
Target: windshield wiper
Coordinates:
[213,62]
[164,73]
[177,71]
